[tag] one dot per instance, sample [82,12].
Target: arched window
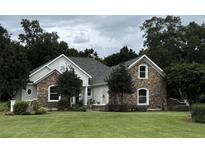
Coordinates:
[143,96]
[53,95]
[143,71]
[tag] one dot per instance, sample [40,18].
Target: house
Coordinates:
[148,80]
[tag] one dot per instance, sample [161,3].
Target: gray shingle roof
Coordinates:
[106,74]
[96,69]
[91,66]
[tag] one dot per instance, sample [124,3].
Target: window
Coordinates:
[143,71]
[89,92]
[143,96]
[53,95]
[29,91]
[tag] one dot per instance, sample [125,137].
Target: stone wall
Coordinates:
[155,84]
[42,87]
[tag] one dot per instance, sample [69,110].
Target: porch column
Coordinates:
[85,95]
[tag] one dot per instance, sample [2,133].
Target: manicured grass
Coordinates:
[101,124]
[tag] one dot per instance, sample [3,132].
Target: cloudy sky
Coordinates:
[105,34]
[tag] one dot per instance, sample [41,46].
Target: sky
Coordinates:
[105,34]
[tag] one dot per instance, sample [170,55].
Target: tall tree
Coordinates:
[41,46]
[116,58]
[194,42]
[120,82]
[168,41]
[32,32]
[14,66]
[163,38]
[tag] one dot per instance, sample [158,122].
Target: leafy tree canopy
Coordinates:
[186,80]
[14,66]
[43,46]
[120,81]
[69,84]
[168,41]
[122,56]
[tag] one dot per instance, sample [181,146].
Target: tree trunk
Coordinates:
[68,101]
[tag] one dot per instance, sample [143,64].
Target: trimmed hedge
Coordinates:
[20,107]
[198,113]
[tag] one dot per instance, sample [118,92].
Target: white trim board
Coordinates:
[46,75]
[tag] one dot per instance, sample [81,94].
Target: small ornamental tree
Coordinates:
[120,83]
[69,84]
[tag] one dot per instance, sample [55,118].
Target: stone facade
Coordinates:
[42,88]
[155,84]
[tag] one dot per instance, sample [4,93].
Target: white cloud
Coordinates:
[105,34]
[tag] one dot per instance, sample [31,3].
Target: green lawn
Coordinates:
[101,124]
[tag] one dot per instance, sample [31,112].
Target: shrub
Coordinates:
[42,110]
[142,108]
[76,107]
[202,98]
[20,107]
[82,109]
[113,107]
[198,113]
[62,105]
[178,108]
[35,105]
[4,106]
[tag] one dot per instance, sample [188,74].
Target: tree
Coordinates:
[40,46]
[186,80]
[14,66]
[45,48]
[163,38]
[32,32]
[14,70]
[69,84]
[120,82]
[168,41]
[194,42]
[117,58]
[91,53]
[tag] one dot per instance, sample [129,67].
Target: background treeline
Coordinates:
[176,48]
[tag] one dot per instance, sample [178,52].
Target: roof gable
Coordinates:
[50,62]
[149,61]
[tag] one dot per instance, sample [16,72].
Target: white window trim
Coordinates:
[49,100]
[147,103]
[90,92]
[146,71]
